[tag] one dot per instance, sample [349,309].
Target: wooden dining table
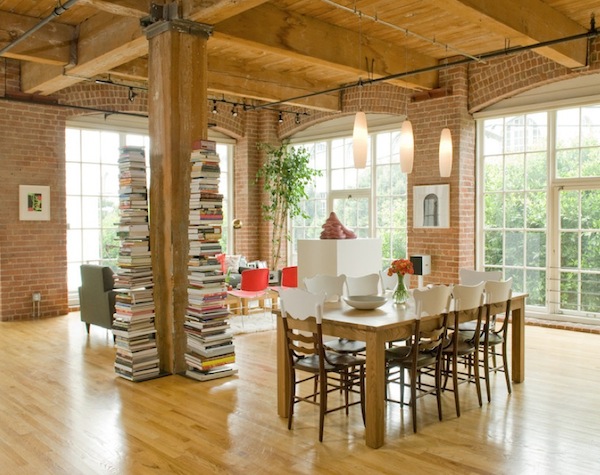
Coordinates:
[376,327]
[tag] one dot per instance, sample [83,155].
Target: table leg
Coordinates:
[375,391]
[283,381]
[518,344]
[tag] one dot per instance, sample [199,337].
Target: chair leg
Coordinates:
[292,398]
[455,386]
[506,370]
[486,374]
[438,388]
[322,406]
[474,361]
[413,401]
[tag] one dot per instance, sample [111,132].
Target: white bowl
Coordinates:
[365,302]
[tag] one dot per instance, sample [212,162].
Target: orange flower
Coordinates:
[401,266]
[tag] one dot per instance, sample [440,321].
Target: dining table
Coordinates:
[376,327]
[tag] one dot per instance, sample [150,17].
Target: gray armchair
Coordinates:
[96,296]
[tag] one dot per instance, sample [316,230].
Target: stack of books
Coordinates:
[210,350]
[133,323]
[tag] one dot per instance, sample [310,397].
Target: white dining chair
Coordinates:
[422,357]
[333,288]
[467,303]
[473,277]
[363,285]
[331,285]
[308,360]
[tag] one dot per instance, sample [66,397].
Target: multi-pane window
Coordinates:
[92,186]
[515,161]
[92,178]
[370,201]
[539,193]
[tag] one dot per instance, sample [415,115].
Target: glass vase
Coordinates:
[401,294]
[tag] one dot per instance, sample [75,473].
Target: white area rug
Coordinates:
[255,322]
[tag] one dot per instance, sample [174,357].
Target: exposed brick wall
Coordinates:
[33,254]
[504,77]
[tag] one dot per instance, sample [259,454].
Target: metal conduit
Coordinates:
[58,11]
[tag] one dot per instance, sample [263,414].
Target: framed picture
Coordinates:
[34,203]
[431,206]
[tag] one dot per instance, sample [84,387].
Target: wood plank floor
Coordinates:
[63,411]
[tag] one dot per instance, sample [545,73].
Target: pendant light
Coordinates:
[445,153]
[360,139]
[407,147]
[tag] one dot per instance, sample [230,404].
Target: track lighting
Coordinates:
[234,111]
[297,119]
[280,117]
[214,109]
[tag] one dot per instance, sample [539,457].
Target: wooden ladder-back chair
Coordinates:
[422,356]
[474,277]
[498,297]
[333,288]
[301,313]
[467,304]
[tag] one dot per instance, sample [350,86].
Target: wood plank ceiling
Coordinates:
[281,50]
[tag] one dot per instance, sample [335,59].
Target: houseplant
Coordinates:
[285,175]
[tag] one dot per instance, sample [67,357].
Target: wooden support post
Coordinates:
[177,68]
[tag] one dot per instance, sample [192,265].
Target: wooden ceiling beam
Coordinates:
[51,44]
[302,37]
[215,11]
[105,42]
[131,8]
[527,22]
[239,79]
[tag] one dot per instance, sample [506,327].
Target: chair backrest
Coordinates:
[472,277]
[363,285]
[97,277]
[468,297]
[289,276]
[498,291]
[432,300]
[331,285]
[497,301]
[468,301]
[254,279]
[299,305]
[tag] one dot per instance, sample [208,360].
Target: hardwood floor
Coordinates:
[63,411]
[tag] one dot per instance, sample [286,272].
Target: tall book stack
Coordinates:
[133,323]
[210,349]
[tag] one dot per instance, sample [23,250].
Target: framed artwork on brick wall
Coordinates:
[431,206]
[34,203]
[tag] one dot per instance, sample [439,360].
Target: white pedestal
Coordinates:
[352,257]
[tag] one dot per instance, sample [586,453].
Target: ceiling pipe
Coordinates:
[593,33]
[58,11]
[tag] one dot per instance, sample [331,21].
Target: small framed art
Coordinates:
[34,203]
[431,206]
